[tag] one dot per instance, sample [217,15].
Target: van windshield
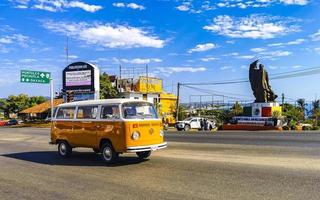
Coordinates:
[140,110]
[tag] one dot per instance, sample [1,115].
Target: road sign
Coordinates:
[27,76]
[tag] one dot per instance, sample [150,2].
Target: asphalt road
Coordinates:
[224,165]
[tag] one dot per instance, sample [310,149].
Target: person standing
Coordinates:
[201,124]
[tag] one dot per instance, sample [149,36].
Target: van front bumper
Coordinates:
[153,147]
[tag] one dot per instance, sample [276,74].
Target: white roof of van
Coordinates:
[98,102]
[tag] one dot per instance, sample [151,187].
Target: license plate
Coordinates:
[154,148]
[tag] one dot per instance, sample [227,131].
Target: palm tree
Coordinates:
[315,110]
[302,105]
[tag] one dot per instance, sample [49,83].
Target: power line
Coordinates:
[213,93]
[283,75]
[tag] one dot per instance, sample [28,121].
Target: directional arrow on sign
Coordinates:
[42,75]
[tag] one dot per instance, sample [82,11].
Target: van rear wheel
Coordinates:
[108,154]
[64,149]
[143,154]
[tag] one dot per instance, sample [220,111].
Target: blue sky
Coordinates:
[180,40]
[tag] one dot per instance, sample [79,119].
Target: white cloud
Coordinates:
[254,27]
[184,7]
[106,35]
[225,67]
[316,36]
[84,6]
[243,4]
[119,5]
[297,41]
[317,50]
[170,70]
[10,41]
[55,5]
[257,50]
[274,54]
[129,5]
[273,67]
[137,60]
[73,57]
[27,60]
[244,67]
[245,57]
[295,2]
[294,42]
[296,66]
[135,6]
[202,47]
[208,59]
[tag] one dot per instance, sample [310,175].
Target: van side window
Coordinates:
[65,113]
[87,112]
[110,112]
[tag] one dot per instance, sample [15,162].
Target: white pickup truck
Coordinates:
[194,123]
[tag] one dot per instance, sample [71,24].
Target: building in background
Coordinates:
[40,111]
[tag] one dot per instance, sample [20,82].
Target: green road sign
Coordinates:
[27,76]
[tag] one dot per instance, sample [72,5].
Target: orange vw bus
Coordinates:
[110,127]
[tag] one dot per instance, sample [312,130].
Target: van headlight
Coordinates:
[161,133]
[135,135]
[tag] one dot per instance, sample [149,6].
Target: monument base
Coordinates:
[258,116]
[246,127]
[265,109]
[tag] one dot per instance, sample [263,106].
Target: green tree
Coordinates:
[292,112]
[301,105]
[236,109]
[35,100]
[17,103]
[316,111]
[106,88]
[4,107]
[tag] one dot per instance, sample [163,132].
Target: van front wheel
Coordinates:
[64,149]
[143,154]
[108,154]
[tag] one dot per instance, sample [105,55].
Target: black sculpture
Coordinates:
[259,81]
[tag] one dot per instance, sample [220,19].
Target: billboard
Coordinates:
[78,78]
[82,80]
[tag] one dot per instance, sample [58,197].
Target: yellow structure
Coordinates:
[276,109]
[167,107]
[149,85]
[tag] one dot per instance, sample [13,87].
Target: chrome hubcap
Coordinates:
[107,153]
[63,149]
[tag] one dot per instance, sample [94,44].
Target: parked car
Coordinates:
[194,123]
[12,122]
[2,123]
[306,127]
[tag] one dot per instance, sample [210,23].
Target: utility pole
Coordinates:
[282,98]
[147,72]
[67,51]
[178,96]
